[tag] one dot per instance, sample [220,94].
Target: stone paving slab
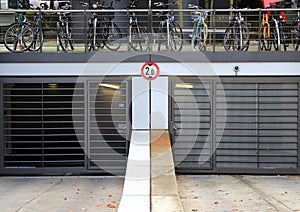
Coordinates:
[239,193]
[164,193]
[60,194]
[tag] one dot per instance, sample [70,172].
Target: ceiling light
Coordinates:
[109,86]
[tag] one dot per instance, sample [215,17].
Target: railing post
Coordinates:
[150,24]
[85,31]
[40,26]
[214,30]
[259,30]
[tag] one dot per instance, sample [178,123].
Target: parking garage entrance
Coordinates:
[249,125]
[70,125]
[62,125]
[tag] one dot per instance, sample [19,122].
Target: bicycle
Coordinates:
[169,31]
[102,30]
[237,34]
[200,29]
[138,37]
[64,37]
[19,36]
[38,39]
[296,32]
[265,31]
[276,31]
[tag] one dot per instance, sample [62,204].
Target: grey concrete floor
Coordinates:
[197,193]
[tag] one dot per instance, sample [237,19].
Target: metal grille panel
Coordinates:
[261,125]
[192,119]
[39,130]
[108,117]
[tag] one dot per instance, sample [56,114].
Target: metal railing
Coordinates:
[217,22]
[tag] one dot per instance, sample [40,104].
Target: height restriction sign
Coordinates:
[150,71]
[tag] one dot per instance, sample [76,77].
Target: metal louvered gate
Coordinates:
[63,125]
[191,124]
[38,127]
[109,128]
[228,125]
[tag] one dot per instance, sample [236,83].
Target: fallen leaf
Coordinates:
[109,195]
[111,206]
[216,203]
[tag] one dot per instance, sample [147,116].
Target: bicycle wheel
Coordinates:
[111,36]
[295,39]
[282,36]
[138,38]
[69,35]
[62,39]
[275,38]
[90,43]
[228,39]
[265,42]
[38,40]
[18,37]
[162,37]
[244,37]
[199,37]
[176,36]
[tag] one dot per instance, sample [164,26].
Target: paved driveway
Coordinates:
[239,193]
[197,193]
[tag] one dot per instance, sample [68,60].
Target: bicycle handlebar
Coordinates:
[164,5]
[193,6]
[131,4]
[97,6]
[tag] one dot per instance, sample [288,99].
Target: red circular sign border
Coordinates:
[157,68]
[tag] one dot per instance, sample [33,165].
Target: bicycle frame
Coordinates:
[38,30]
[236,22]
[167,21]
[277,30]
[199,22]
[265,21]
[133,21]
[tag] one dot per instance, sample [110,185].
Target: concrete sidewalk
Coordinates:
[60,194]
[239,193]
[197,193]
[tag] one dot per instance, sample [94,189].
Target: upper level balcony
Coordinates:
[159,30]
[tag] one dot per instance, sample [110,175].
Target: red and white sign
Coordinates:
[150,71]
